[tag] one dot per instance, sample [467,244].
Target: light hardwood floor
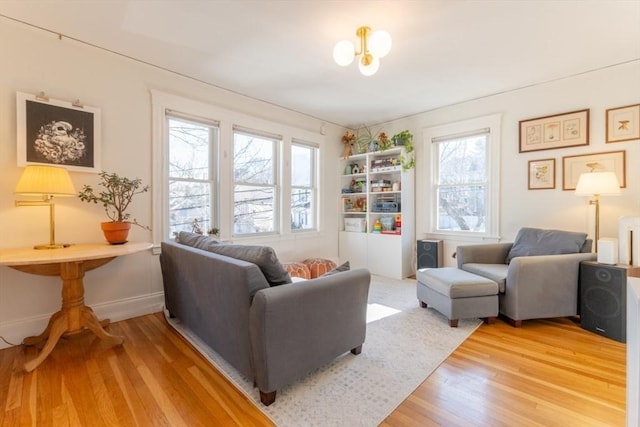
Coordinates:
[547,373]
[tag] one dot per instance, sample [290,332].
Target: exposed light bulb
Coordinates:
[343,53]
[380,43]
[371,69]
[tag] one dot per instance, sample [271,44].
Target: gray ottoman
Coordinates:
[457,294]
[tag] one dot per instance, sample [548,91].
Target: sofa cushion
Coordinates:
[339,269]
[495,272]
[262,256]
[535,241]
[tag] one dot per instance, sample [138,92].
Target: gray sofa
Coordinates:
[274,334]
[537,274]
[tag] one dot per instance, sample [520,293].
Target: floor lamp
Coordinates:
[597,184]
[46,182]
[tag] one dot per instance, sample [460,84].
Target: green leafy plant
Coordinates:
[115,197]
[405,138]
[364,136]
[213,231]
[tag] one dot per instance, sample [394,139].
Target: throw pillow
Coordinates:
[196,240]
[535,241]
[319,266]
[339,269]
[262,256]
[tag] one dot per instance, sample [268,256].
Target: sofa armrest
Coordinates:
[491,253]
[542,286]
[299,327]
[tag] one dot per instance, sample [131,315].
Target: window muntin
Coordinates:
[191,173]
[303,187]
[255,190]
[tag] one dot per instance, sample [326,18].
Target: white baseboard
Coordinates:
[15,331]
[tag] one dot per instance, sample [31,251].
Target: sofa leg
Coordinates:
[267,398]
[422,304]
[453,323]
[489,320]
[357,350]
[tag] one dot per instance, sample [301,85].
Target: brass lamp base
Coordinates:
[52,246]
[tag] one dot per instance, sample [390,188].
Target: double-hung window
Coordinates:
[191,172]
[465,168]
[255,182]
[303,186]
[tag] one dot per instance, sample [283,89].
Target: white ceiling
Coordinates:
[444,51]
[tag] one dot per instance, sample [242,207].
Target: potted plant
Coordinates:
[115,198]
[366,140]
[213,232]
[405,138]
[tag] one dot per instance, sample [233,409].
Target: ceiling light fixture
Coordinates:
[373,46]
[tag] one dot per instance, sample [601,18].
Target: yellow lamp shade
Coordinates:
[45,180]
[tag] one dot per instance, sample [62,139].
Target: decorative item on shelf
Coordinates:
[213,232]
[364,137]
[377,226]
[115,199]
[384,143]
[46,182]
[347,169]
[405,138]
[347,140]
[355,169]
[597,184]
[373,46]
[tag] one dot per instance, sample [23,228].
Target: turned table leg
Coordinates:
[74,317]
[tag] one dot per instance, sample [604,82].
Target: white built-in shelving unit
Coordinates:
[377,213]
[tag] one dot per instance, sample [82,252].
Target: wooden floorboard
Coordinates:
[546,373]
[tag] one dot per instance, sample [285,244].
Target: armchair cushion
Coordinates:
[495,272]
[535,241]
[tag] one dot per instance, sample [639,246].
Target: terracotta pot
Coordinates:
[116,233]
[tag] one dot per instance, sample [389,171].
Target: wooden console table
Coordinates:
[70,264]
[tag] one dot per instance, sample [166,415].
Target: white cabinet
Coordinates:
[377,213]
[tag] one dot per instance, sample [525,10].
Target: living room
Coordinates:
[37,61]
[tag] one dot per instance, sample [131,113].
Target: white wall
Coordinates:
[34,61]
[599,90]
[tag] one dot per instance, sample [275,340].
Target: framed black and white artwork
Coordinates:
[57,133]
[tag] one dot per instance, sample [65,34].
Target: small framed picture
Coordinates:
[623,123]
[542,174]
[57,133]
[574,166]
[556,131]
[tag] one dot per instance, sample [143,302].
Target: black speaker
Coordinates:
[603,300]
[429,254]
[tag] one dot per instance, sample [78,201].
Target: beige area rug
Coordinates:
[403,347]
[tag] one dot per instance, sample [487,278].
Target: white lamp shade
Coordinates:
[371,69]
[344,52]
[45,181]
[379,44]
[600,183]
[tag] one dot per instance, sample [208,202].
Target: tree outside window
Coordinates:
[303,187]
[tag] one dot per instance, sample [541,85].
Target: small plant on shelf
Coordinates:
[405,138]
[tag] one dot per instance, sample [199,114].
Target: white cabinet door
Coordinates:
[353,248]
[384,255]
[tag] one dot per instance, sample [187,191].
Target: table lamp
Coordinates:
[597,184]
[46,182]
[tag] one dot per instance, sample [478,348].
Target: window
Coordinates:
[255,190]
[465,168]
[303,187]
[191,173]
[461,183]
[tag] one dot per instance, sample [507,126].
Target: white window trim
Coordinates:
[160,102]
[494,124]
[315,165]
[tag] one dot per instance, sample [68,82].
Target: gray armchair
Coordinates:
[531,285]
